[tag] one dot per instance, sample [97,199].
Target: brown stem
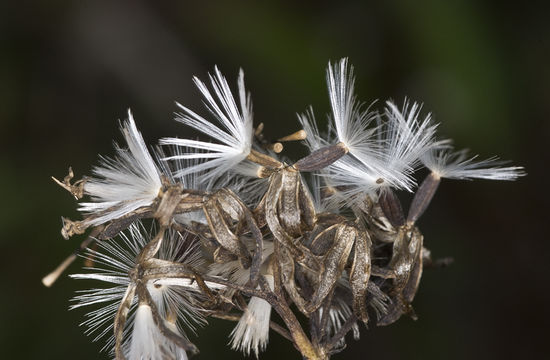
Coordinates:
[299,338]
[264,160]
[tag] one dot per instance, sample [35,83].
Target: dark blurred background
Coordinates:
[70,69]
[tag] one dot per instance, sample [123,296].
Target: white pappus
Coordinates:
[176,299]
[383,149]
[235,132]
[230,210]
[124,183]
[252,331]
[444,163]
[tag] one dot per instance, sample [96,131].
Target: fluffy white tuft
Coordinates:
[123,184]
[112,262]
[456,165]
[351,125]
[352,179]
[148,343]
[382,153]
[403,139]
[235,134]
[252,331]
[407,136]
[351,176]
[115,259]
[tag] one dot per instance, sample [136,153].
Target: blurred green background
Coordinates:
[70,69]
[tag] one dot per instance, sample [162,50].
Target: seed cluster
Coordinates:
[238,231]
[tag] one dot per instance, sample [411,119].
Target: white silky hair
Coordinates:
[355,128]
[315,187]
[124,183]
[252,330]
[148,343]
[179,295]
[384,150]
[113,260]
[352,179]
[347,172]
[406,138]
[235,133]
[444,163]
[352,126]
[314,141]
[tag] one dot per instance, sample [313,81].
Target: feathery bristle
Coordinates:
[124,183]
[114,260]
[147,342]
[456,165]
[252,331]
[235,134]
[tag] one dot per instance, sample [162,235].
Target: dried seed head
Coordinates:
[338,252]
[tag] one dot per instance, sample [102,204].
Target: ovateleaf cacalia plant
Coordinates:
[223,227]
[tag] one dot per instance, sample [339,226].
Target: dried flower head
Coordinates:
[242,234]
